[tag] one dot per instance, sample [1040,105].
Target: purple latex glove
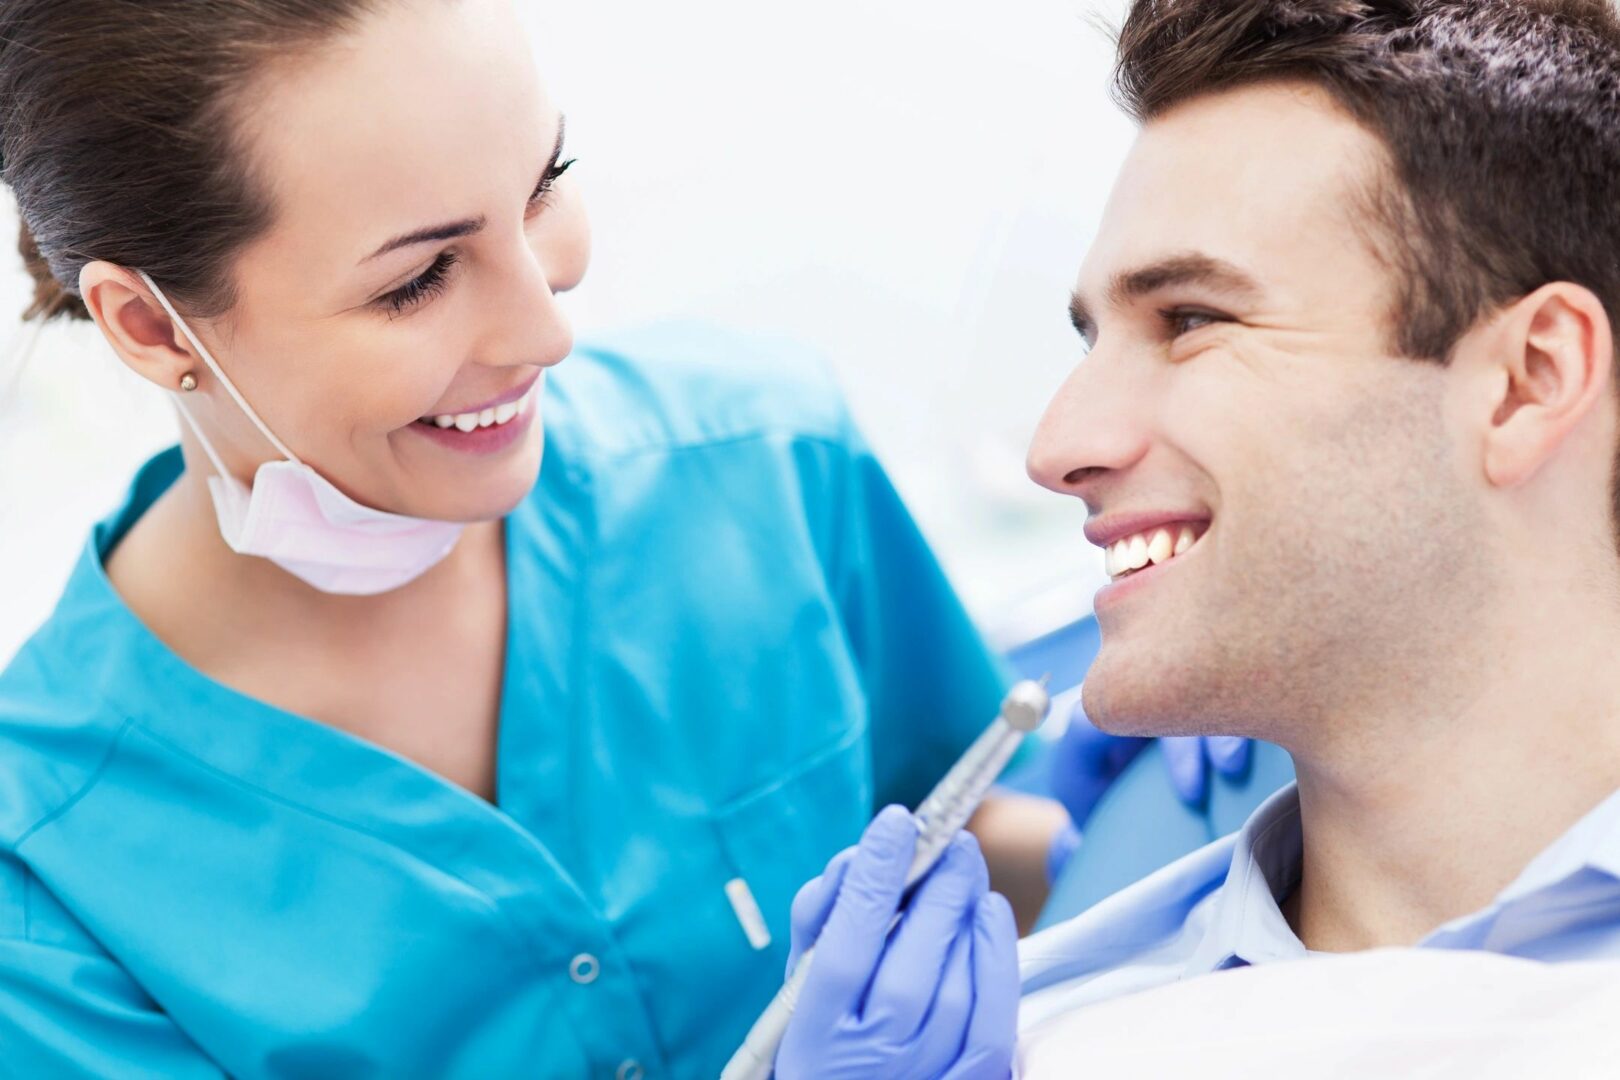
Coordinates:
[936,998]
[1085,761]
[1185,757]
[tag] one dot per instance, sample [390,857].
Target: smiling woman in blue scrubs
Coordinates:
[301,780]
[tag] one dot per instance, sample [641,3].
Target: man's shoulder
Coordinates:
[685,385]
[1141,936]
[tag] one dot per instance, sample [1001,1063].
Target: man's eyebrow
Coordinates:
[465,227]
[1191,268]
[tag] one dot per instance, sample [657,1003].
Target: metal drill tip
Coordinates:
[1026,705]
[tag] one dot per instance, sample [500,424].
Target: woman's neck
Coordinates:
[175,571]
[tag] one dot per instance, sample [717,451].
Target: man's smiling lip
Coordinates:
[1105,530]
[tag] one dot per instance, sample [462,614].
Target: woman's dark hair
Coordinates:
[1501,119]
[119,134]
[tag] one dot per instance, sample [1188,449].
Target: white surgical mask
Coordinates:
[298,520]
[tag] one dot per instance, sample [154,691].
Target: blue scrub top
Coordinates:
[727,644]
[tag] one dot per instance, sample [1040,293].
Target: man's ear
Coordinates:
[1552,360]
[137,327]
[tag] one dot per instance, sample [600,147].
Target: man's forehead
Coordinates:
[1262,177]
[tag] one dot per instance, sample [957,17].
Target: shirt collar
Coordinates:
[1592,843]
[1579,869]
[1247,924]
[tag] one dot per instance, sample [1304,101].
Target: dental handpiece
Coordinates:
[939,818]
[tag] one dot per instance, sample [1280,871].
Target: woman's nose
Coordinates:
[527,324]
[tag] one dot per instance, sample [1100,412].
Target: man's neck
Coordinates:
[1428,813]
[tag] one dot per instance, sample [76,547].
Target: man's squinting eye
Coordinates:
[1185,320]
[433,281]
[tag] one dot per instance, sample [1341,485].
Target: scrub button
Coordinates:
[584,969]
[630,1070]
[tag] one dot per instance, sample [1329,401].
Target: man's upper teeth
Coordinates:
[1154,546]
[471,421]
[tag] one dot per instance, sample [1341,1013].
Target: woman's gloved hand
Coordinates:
[938,998]
[1086,760]
[1189,759]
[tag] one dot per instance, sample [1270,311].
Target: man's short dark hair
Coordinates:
[1501,119]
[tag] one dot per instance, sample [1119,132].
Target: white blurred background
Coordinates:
[907,185]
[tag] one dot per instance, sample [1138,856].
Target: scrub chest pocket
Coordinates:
[799,820]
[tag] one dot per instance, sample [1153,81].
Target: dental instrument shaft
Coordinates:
[942,814]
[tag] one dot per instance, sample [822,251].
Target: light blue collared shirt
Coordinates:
[1220,907]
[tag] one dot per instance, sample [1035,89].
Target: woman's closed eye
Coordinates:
[421,288]
[552,174]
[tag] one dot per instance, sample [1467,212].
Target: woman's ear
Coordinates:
[137,327]
[1553,355]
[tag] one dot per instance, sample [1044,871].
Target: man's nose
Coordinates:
[1095,425]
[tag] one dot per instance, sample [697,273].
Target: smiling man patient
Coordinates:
[1347,428]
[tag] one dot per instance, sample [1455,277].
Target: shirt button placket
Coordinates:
[584,969]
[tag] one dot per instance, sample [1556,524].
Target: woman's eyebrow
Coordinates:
[449,231]
[465,227]
[556,152]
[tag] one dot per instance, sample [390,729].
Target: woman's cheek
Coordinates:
[395,388]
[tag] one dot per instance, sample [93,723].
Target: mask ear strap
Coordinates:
[196,429]
[213,365]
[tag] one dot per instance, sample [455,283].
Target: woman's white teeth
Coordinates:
[1154,546]
[491,417]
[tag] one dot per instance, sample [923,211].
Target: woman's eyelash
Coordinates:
[552,175]
[426,285]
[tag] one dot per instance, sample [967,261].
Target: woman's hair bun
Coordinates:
[51,298]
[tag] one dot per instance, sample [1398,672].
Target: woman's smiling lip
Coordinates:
[483,441]
[514,394]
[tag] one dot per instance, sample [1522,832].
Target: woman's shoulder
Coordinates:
[56,723]
[685,384]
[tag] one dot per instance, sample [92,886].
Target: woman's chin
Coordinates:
[481,494]
[478,489]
